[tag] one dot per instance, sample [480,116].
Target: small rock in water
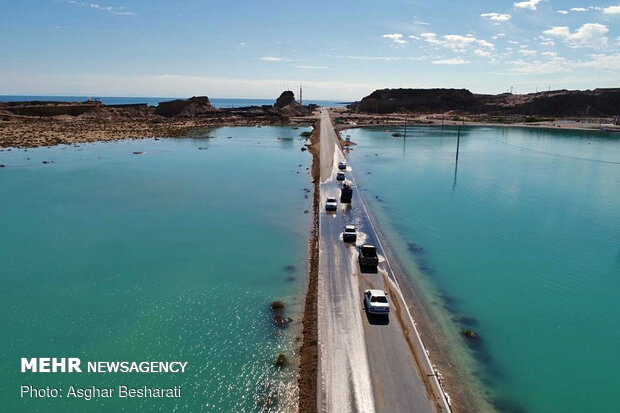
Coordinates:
[2,166]
[470,334]
[138,153]
[281,361]
[414,247]
[289,268]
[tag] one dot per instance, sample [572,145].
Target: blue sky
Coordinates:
[339,50]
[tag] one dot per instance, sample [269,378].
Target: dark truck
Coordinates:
[368,256]
[346,193]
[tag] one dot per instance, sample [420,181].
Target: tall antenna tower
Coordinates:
[301,99]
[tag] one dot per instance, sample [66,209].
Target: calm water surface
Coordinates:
[520,243]
[173,254]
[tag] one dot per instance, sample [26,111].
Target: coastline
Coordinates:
[33,133]
[19,131]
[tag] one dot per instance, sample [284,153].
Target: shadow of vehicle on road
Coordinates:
[369,269]
[378,319]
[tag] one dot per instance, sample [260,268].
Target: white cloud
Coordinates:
[496,16]
[578,9]
[541,67]
[562,12]
[120,11]
[455,42]
[371,58]
[395,37]
[528,4]
[611,9]
[484,43]
[311,67]
[589,35]
[482,53]
[602,61]
[558,31]
[455,61]
[414,37]
[430,38]
[527,52]
[545,41]
[271,59]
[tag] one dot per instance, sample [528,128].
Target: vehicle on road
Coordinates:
[376,302]
[331,204]
[346,193]
[368,256]
[349,234]
[342,166]
[340,176]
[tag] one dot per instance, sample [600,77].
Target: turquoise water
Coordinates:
[172,254]
[521,243]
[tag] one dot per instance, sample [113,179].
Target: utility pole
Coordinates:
[458,143]
[301,99]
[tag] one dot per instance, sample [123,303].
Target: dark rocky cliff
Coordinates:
[594,103]
[418,100]
[185,108]
[286,105]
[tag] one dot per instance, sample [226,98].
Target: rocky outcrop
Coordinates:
[286,98]
[46,109]
[286,105]
[588,103]
[416,100]
[185,108]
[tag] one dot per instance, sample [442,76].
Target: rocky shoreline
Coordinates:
[40,123]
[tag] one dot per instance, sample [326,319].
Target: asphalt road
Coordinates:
[366,364]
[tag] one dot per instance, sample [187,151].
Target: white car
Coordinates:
[342,166]
[376,302]
[349,234]
[331,204]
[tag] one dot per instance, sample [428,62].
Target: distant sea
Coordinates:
[153,101]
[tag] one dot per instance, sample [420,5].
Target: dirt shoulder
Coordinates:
[308,352]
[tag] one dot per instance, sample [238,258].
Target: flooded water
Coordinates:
[520,243]
[156,250]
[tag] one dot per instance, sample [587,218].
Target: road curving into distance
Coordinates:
[366,364]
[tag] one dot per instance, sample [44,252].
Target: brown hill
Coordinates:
[593,103]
